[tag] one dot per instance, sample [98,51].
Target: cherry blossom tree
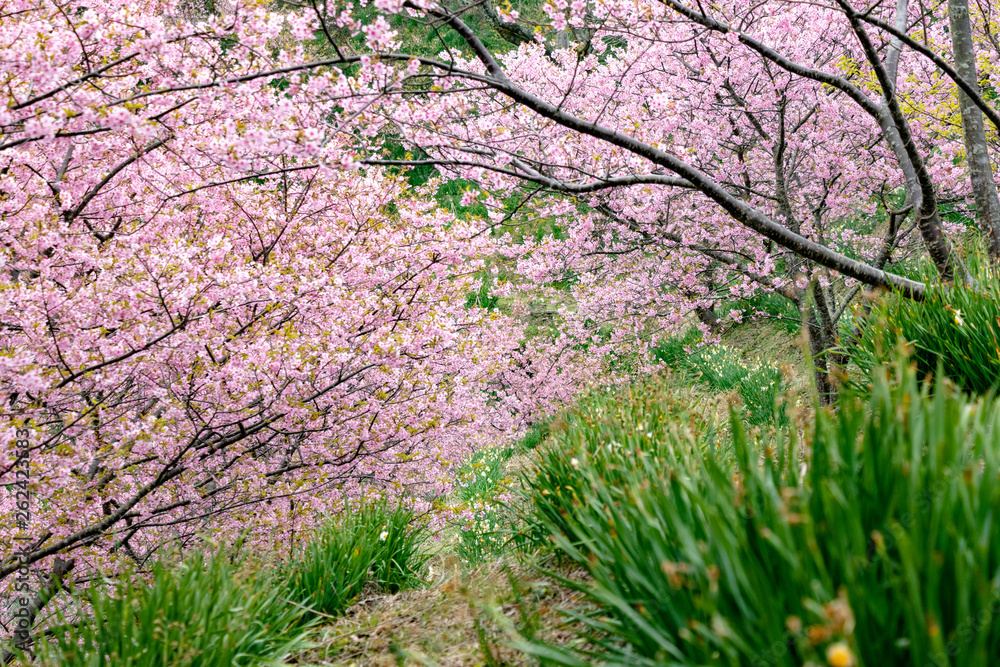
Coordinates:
[211,320]
[749,139]
[222,301]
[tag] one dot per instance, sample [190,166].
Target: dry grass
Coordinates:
[453,621]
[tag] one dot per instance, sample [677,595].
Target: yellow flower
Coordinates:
[838,655]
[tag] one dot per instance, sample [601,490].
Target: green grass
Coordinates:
[761,391]
[956,326]
[673,351]
[536,435]
[209,612]
[374,543]
[772,306]
[483,487]
[718,367]
[602,436]
[759,384]
[203,613]
[884,551]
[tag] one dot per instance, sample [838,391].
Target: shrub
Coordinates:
[673,351]
[204,613]
[372,543]
[883,552]
[770,305]
[958,326]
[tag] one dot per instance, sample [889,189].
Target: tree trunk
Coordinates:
[919,188]
[984,188]
[708,317]
[888,127]
[822,332]
[824,387]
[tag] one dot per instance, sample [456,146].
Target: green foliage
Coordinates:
[761,391]
[415,37]
[536,435]
[956,326]
[774,306]
[486,537]
[417,175]
[759,384]
[372,543]
[601,438]
[449,196]
[482,298]
[204,613]
[483,475]
[483,487]
[208,612]
[882,551]
[718,367]
[673,351]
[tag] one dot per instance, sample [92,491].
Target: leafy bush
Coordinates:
[774,307]
[958,326]
[673,351]
[883,552]
[204,613]
[372,543]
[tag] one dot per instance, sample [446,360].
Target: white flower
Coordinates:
[385,534]
[958,318]
[575,463]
